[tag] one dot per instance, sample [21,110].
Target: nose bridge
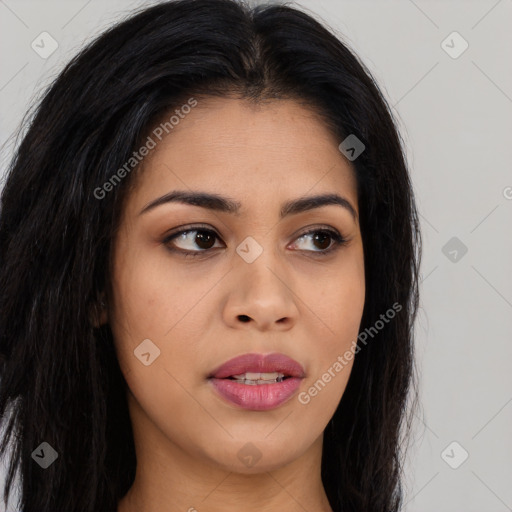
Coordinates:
[261,292]
[260,262]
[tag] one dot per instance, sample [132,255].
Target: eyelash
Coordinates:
[338,240]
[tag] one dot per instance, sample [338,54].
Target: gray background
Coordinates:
[455,118]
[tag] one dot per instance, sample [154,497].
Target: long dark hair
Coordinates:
[60,378]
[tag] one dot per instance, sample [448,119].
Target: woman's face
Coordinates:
[250,281]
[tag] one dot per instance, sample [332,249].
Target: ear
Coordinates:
[98,314]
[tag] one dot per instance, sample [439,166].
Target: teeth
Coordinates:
[253,378]
[258,376]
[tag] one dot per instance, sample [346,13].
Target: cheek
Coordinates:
[336,299]
[337,305]
[152,295]
[155,300]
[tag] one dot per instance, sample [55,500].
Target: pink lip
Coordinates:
[260,397]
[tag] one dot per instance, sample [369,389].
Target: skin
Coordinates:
[298,303]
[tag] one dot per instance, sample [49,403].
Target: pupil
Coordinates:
[324,237]
[204,237]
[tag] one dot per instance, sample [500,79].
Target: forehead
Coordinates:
[229,144]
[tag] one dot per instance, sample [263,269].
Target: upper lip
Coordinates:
[261,363]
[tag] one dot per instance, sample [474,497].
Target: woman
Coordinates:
[209,266]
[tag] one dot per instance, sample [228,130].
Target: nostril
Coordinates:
[243,318]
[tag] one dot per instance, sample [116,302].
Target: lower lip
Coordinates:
[260,397]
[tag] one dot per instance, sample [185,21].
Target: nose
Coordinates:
[261,295]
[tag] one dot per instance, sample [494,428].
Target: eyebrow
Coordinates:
[227,205]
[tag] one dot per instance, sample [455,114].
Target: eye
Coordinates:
[325,240]
[186,240]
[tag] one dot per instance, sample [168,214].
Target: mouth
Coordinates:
[256,367]
[257,382]
[258,378]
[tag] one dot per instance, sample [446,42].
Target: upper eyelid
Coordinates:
[199,227]
[185,229]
